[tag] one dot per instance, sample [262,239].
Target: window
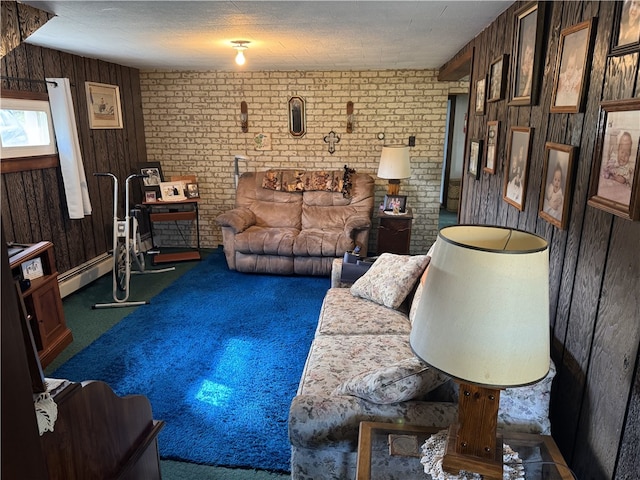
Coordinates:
[26,128]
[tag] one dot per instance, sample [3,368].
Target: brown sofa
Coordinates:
[301,231]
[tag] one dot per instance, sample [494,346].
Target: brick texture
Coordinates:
[192,126]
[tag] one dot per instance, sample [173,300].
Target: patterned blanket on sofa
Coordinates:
[304,180]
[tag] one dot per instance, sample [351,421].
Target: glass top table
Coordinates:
[539,453]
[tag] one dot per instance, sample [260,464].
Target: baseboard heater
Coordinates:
[82,275]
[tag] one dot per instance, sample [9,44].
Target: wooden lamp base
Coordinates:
[394,187]
[474,445]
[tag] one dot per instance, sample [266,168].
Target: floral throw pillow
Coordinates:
[402,381]
[390,279]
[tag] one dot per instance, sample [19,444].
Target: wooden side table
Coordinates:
[394,232]
[174,212]
[539,453]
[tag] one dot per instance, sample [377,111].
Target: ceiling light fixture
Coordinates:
[240,46]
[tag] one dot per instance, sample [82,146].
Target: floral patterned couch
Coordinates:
[361,368]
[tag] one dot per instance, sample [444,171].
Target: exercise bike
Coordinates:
[127,248]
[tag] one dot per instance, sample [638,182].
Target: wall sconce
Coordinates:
[350,117]
[244,117]
[240,46]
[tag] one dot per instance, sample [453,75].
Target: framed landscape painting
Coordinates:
[103,105]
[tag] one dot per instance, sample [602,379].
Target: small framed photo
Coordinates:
[571,68]
[395,203]
[490,158]
[527,53]
[614,185]
[626,31]
[103,105]
[172,191]
[517,166]
[150,196]
[191,190]
[481,95]
[498,78]
[151,183]
[555,195]
[475,154]
[32,269]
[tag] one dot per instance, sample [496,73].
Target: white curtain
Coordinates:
[64,124]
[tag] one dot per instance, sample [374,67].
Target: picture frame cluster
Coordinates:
[158,189]
[516,77]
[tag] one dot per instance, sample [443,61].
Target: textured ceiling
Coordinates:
[303,35]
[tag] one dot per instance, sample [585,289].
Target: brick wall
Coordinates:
[192,126]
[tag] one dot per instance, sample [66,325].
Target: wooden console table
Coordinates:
[183,210]
[42,302]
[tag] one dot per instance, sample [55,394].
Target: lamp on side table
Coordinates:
[483,319]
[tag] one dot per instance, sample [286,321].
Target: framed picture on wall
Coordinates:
[571,68]
[527,55]
[490,158]
[615,186]
[517,166]
[475,154]
[481,95]
[626,31]
[498,78]
[103,105]
[555,195]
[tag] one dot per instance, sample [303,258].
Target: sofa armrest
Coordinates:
[238,219]
[356,223]
[315,421]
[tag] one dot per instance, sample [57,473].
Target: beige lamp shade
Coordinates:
[483,317]
[394,162]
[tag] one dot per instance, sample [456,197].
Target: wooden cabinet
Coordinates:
[42,302]
[394,232]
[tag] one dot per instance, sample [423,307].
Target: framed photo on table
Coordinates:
[191,190]
[527,54]
[498,78]
[555,195]
[615,183]
[395,203]
[153,172]
[490,158]
[475,154]
[626,31]
[103,105]
[517,166]
[571,68]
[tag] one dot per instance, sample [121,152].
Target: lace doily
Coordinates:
[433,451]
[46,412]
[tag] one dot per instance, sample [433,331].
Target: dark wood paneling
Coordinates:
[33,201]
[594,263]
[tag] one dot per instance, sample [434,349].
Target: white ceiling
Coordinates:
[284,35]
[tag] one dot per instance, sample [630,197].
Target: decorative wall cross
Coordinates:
[332,139]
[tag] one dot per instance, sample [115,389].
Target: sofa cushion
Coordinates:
[322,242]
[344,314]
[266,241]
[334,359]
[398,382]
[390,279]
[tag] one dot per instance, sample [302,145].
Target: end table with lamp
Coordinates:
[539,454]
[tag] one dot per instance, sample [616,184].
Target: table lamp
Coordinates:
[394,165]
[483,319]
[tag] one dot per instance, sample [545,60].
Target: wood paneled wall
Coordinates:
[594,263]
[33,203]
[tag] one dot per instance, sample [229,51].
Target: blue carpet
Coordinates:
[219,354]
